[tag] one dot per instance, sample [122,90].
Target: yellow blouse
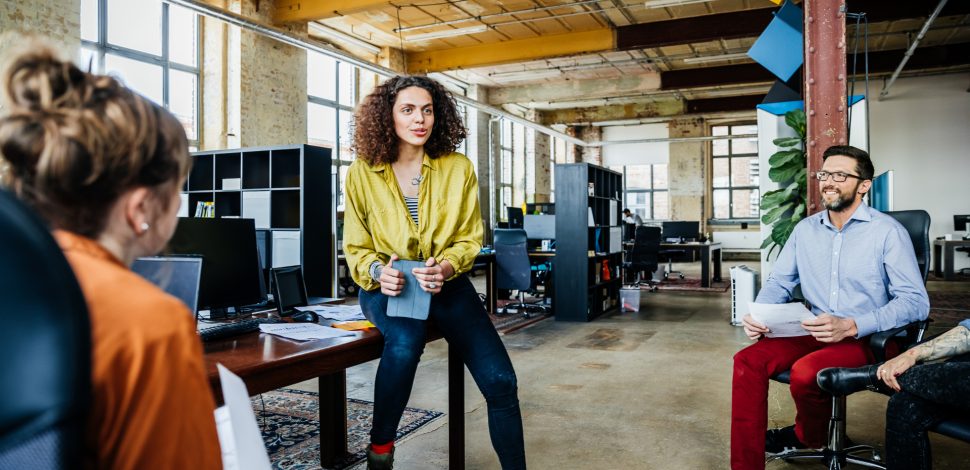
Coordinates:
[377,223]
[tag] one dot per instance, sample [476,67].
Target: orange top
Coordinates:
[153,407]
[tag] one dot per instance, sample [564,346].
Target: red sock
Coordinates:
[382,448]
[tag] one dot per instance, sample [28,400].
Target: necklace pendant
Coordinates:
[417,180]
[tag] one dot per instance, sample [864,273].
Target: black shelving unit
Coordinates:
[287,189]
[583,250]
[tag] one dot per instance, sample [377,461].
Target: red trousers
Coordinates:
[756,364]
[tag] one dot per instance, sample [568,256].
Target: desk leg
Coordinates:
[490,289]
[456,408]
[717,265]
[948,263]
[937,260]
[333,417]
[705,266]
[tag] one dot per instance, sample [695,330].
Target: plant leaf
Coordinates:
[796,120]
[783,157]
[787,141]
[767,241]
[776,212]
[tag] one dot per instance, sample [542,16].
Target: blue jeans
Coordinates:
[459,314]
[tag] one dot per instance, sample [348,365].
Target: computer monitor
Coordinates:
[541,208]
[178,276]
[289,289]
[961,223]
[514,216]
[681,230]
[264,244]
[230,269]
[540,227]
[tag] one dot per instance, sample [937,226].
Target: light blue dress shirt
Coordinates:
[867,271]
[966,323]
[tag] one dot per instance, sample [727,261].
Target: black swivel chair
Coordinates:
[835,454]
[514,269]
[644,254]
[46,380]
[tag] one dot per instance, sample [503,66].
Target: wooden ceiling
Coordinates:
[528,49]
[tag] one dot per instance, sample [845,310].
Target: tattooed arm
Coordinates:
[949,344]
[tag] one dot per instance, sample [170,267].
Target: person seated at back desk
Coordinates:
[631,218]
[103,166]
[857,269]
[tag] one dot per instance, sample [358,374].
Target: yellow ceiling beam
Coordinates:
[511,51]
[306,10]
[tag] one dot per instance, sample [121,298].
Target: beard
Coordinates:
[842,201]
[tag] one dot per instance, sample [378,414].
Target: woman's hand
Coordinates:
[894,368]
[392,280]
[433,275]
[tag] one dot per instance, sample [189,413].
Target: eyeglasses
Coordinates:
[837,176]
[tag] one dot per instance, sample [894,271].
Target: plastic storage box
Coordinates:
[630,299]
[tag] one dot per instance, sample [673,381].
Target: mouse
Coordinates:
[305,317]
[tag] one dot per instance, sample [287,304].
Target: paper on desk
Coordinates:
[784,320]
[242,445]
[303,331]
[335,312]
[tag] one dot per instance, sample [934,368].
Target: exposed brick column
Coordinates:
[686,170]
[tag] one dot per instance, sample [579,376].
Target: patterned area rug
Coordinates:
[947,309]
[290,427]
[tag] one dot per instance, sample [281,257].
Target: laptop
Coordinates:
[178,276]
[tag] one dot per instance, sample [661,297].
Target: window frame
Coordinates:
[731,187]
[338,161]
[651,216]
[101,48]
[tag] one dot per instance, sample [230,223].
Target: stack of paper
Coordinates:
[783,320]
[303,331]
[335,312]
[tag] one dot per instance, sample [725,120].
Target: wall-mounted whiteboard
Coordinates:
[635,153]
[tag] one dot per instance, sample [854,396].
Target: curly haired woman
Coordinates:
[410,196]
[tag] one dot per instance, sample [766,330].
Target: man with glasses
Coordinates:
[858,272]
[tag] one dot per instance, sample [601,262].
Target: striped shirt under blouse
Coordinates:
[866,271]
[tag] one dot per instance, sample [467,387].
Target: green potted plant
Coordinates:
[785,207]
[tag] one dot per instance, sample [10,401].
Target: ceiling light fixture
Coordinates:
[520,75]
[447,33]
[329,32]
[671,3]
[715,58]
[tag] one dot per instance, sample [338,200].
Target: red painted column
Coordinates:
[825,78]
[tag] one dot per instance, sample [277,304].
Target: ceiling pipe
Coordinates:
[293,40]
[912,47]
[707,138]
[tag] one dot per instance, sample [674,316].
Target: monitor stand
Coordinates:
[221,313]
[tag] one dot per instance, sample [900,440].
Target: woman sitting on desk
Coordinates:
[410,196]
[104,166]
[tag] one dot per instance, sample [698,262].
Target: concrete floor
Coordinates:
[645,390]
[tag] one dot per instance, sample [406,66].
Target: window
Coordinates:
[331,94]
[152,47]
[735,173]
[558,155]
[645,190]
[505,176]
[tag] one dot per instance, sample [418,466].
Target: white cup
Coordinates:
[948,236]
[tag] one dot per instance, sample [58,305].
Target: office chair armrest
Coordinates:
[879,341]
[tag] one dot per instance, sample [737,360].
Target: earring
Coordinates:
[145,227]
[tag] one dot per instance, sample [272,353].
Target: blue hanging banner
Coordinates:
[779,48]
[779,109]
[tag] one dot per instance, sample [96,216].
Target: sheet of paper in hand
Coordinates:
[783,320]
[413,302]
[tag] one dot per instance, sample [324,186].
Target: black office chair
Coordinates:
[644,254]
[514,271]
[46,380]
[670,254]
[836,454]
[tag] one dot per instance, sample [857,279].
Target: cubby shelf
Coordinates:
[581,292]
[285,189]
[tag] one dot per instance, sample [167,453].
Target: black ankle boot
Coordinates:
[842,381]
[380,461]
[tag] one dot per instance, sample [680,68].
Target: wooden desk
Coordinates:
[266,362]
[943,257]
[709,252]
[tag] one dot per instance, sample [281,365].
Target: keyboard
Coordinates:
[219,331]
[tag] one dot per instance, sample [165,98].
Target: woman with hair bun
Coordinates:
[103,166]
[410,196]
